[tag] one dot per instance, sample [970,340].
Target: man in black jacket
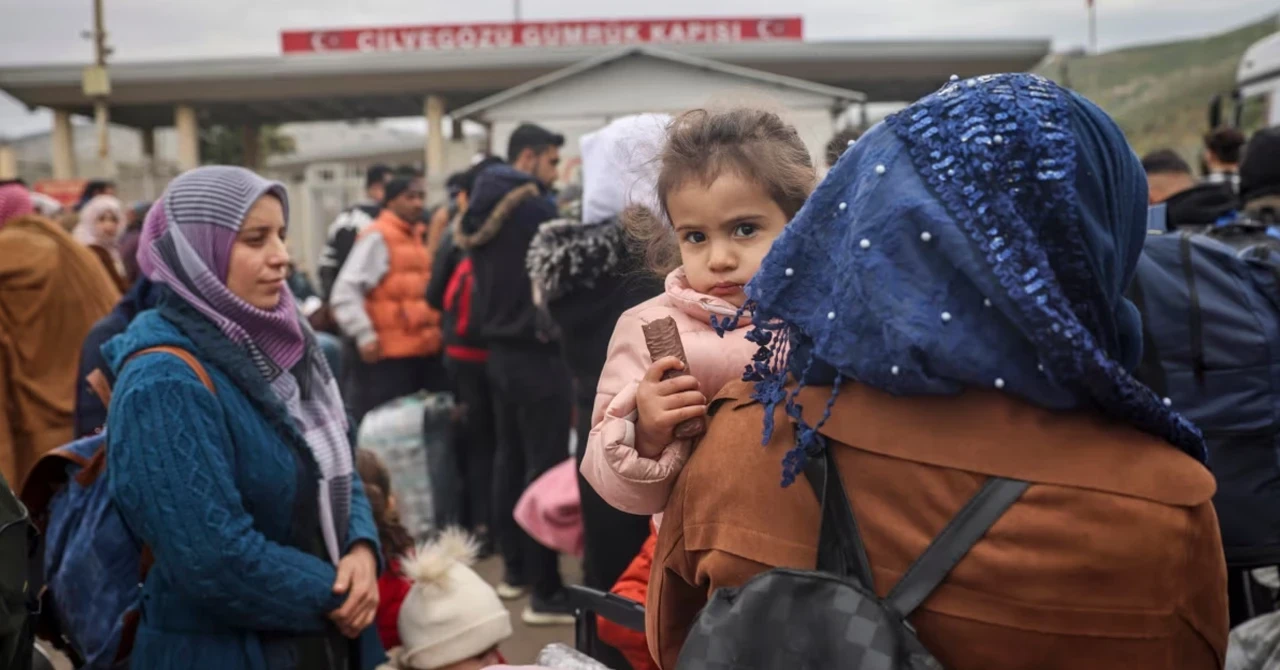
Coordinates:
[450,292]
[345,228]
[1189,202]
[90,411]
[532,388]
[1260,177]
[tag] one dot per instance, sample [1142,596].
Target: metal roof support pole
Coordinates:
[487,147]
[184,121]
[8,162]
[433,109]
[97,85]
[148,163]
[249,138]
[64,146]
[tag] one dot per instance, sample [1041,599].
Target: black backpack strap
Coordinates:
[1196,325]
[966,528]
[1150,371]
[840,547]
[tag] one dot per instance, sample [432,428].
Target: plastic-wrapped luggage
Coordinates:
[413,436]
[1255,645]
[561,657]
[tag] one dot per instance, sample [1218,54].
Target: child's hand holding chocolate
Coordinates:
[669,401]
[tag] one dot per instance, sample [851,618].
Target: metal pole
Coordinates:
[1093,26]
[515,6]
[101,113]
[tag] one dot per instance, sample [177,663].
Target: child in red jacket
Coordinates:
[397,544]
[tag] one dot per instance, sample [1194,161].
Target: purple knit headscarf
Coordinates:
[186,244]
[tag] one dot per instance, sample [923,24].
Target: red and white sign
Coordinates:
[65,191]
[602,33]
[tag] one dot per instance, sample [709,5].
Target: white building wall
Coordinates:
[584,102]
[35,152]
[618,88]
[815,127]
[320,189]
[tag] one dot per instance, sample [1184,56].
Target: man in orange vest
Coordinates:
[379,300]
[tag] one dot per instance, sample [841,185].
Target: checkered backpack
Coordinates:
[831,617]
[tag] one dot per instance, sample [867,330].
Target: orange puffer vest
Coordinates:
[406,326]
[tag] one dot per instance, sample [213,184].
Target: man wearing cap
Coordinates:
[531,384]
[379,300]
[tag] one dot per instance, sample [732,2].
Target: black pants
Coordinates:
[612,538]
[532,408]
[1246,598]
[373,384]
[475,443]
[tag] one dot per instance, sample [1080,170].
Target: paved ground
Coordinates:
[524,646]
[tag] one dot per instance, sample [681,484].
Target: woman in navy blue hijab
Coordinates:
[949,307]
[982,239]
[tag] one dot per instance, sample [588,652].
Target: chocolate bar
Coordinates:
[663,339]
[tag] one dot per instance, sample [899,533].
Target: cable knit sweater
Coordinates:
[217,487]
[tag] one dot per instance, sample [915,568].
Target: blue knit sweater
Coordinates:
[222,489]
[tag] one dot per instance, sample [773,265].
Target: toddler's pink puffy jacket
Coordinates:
[611,464]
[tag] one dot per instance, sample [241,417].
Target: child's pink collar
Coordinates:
[697,305]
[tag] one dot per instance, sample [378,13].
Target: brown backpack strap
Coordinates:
[186,356]
[100,386]
[98,382]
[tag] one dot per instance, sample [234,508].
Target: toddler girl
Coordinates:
[727,185]
[451,619]
[397,545]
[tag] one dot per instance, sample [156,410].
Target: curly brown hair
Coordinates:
[395,539]
[755,144]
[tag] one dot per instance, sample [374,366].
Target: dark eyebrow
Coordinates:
[737,221]
[252,229]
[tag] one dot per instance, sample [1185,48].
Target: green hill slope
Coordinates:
[1160,93]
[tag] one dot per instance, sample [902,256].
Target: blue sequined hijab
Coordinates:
[983,237]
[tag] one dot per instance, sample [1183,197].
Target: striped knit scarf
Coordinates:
[186,244]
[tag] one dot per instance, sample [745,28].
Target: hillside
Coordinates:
[1160,93]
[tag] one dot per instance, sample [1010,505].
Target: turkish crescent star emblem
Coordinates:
[767,29]
[322,41]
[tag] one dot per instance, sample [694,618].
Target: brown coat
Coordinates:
[115,272]
[52,291]
[1112,559]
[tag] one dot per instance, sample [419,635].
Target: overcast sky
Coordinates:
[48,31]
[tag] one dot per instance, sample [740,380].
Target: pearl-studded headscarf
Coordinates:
[981,238]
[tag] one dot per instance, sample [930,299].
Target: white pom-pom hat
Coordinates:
[451,614]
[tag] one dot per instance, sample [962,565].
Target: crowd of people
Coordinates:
[953,312]
[1229,185]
